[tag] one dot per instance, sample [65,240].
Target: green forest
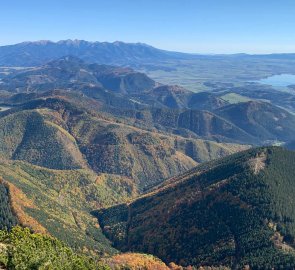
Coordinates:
[235,212]
[7,218]
[21,249]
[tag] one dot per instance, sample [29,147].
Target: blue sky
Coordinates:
[199,26]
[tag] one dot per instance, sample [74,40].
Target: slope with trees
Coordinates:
[236,211]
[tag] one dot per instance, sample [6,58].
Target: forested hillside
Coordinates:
[20,249]
[236,211]
[7,217]
[58,134]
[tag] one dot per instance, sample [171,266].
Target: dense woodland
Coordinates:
[7,217]
[229,215]
[20,249]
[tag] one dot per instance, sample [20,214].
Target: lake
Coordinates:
[282,80]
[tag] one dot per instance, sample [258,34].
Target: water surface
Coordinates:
[282,80]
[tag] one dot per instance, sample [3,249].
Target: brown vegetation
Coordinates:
[19,202]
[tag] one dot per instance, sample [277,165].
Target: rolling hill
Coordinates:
[104,82]
[236,212]
[261,120]
[188,123]
[176,97]
[58,134]
[138,100]
[256,91]
[72,73]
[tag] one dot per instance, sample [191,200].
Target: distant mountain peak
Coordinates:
[38,42]
[72,42]
[110,53]
[77,42]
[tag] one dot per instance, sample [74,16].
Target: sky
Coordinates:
[196,26]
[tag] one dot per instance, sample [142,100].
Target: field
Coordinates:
[234,69]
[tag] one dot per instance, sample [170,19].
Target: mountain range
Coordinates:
[99,155]
[119,53]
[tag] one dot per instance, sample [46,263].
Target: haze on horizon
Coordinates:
[194,26]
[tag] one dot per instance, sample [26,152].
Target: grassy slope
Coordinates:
[61,201]
[234,98]
[235,211]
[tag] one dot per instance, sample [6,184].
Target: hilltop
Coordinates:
[260,119]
